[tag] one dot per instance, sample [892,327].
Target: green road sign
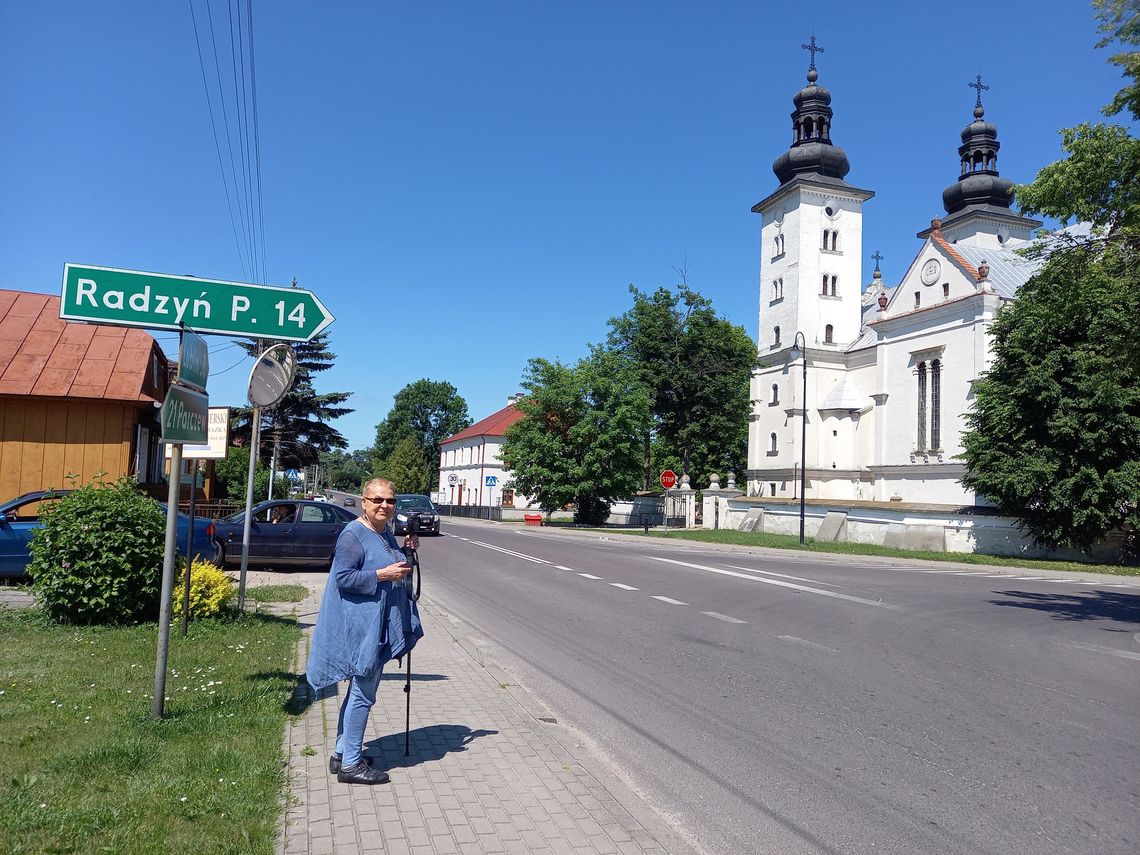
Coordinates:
[185,416]
[193,360]
[104,295]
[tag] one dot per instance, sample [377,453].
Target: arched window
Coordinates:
[776,335]
[824,287]
[935,403]
[828,333]
[834,281]
[809,128]
[921,443]
[771,443]
[826,236]
[775,394]
[834,240]
[780,285]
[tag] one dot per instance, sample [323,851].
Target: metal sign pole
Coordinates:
[167,583]
[189,550]
[254,440]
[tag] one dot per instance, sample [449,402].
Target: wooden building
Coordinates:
[75,399]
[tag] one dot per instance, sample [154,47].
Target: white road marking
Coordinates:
[777,582]
[725,618]
[568,569]
[805,643]
[670,601]
[623,587]
[510,552]
[589,576]
[783,576]
[1112,651]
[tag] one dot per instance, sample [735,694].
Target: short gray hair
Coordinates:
[378,482]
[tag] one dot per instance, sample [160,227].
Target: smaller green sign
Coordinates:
[193,360]
[185,416]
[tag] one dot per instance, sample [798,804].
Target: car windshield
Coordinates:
[408,503]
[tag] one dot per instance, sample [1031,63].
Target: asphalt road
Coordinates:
[785,703]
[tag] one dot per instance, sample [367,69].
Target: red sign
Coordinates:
[668,479]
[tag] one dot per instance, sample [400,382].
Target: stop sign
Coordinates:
[668,479]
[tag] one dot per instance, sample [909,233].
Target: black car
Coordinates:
[283,532]
[415,513]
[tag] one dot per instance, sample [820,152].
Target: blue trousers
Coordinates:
[354,709]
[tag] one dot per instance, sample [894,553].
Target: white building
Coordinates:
[470,471]
[889,372]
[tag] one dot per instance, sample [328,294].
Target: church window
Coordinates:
[834,240]
[917,299]
[772,487]
[776,335]
[834,281]
[824,288]
[775,394]
[935,403]
[945,290]
[828,334]
[771,443]
[921,443]
[780,287]
[809,128]
[826,234]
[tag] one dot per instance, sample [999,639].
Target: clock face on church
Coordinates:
[930,271]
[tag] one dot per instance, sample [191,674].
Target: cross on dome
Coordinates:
[980,87]
[814,49]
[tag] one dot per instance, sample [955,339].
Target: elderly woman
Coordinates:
[366,618]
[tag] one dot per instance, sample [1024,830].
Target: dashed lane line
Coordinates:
[623,587]
[725,618]
[670,601]
[589,576]
[803,642]
[783,576]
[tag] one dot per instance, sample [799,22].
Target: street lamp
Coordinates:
[797,343]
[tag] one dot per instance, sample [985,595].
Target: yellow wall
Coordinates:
[43,440]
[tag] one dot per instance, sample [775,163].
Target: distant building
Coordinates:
[75,399]
[470,471]
[890,370]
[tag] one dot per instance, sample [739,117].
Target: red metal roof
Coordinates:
[44,356]
[495,424]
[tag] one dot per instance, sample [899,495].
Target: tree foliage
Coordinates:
[233,474]
[406,467]
[1120,22]
[429,412]
[1054,431]
[579,441]
[695,368]
[346,471]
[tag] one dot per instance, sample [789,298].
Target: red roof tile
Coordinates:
[494,425]
[42,355]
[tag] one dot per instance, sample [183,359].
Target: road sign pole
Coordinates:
[254,440]
[157,705]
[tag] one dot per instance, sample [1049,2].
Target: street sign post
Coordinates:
[132,298]
[193,360]
[668,479]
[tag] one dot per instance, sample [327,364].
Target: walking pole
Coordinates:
[413,595]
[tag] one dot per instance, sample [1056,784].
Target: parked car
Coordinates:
[20,517]
[415,513]
[283,532]
[349,502]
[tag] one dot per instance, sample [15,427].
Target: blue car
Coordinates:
[283,532]
[20,517]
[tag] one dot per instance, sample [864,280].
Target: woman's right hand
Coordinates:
[393,572]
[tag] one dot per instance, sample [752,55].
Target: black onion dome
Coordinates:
[811,150]
[979,182]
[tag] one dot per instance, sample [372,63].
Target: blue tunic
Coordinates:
[362,623]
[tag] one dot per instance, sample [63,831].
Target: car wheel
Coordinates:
[219,555]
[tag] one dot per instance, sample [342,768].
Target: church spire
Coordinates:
[811,151]
[979,182]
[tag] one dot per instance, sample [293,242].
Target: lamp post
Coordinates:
[799,342]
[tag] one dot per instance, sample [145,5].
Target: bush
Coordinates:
[210,590]
[98,557]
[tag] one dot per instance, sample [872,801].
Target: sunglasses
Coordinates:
[380,500]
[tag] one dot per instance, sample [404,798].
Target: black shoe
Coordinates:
[361,773]
[335,759]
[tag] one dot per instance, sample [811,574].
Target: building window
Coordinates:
[834,284]
[823,288]
[826,236]
[771,443]
[917,299]
[935,404]
[776,335]
[772,487]
[828,333]
[775,394]
[945,290]
[921,443]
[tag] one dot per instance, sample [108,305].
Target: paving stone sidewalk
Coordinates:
[490,769]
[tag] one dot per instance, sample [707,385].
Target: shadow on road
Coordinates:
[1094,605]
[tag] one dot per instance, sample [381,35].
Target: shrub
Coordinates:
[210,590]
[98,557]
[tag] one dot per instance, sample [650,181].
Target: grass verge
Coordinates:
[277,593]
[84,768]
[785,541]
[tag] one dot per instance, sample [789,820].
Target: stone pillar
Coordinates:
[715,504]
[685,504]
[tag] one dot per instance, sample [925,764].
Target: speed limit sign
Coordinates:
[452,479]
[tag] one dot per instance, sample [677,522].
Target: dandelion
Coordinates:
[43,804]
[182,799]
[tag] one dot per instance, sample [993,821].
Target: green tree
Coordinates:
[581,434]
[233,474]
[406,467]
[343,471]
[428,411]
[1120,22]
[695,368]
[1053,433]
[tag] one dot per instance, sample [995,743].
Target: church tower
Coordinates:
[978,204]
[812,234]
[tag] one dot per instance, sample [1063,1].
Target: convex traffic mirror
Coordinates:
[272,375]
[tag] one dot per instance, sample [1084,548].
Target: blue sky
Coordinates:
[467,185]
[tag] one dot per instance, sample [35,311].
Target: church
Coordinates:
[867,389]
